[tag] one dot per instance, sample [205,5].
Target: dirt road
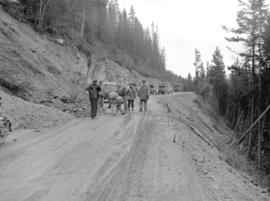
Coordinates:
[123,158]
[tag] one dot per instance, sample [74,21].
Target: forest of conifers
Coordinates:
[243,95]
[99,21]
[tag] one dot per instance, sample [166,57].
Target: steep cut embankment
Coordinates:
[35,68]
[200,117]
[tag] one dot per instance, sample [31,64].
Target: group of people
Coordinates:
[125,95]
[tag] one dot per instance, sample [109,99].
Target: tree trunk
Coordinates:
[259,123]
[241,126]
[251,120]
[238,121]
[43,12]
[234,115]
[228,110]
[83,21]
[42,9]
[40,12]
[266,103]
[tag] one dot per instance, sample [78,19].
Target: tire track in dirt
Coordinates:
[149,171]
[55,157]
[112,188]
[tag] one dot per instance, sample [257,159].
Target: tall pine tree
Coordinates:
[217,77]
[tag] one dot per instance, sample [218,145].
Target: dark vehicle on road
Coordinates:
[177,88]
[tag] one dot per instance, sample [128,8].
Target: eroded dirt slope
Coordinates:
[27,115]
[37,69]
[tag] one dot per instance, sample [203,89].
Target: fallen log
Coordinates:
[249,129]
[205,124]
[238,122]
[198,133]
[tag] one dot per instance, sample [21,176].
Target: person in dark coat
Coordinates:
[124,95]
[102,95]
[131,97]
[93,90]
[144,96]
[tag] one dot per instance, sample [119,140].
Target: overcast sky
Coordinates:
[188,24]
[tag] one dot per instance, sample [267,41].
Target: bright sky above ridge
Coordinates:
[186,25]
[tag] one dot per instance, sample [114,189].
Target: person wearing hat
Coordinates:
[93,90]
[125,96]
[131,97]
[144,96]
[102,95]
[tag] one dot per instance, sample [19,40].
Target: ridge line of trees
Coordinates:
[100,21]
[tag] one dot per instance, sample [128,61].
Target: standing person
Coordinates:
[93,90]
[143,95]
[131,97]
[101,96]
[124,95]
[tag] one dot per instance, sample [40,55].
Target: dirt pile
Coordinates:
[23,114]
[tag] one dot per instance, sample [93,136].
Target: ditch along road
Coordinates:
[135,157]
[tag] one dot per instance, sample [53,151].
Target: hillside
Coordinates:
[37,69]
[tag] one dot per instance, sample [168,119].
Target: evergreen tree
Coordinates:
[217,77]
[251,21]
[189,83]
[199,71]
